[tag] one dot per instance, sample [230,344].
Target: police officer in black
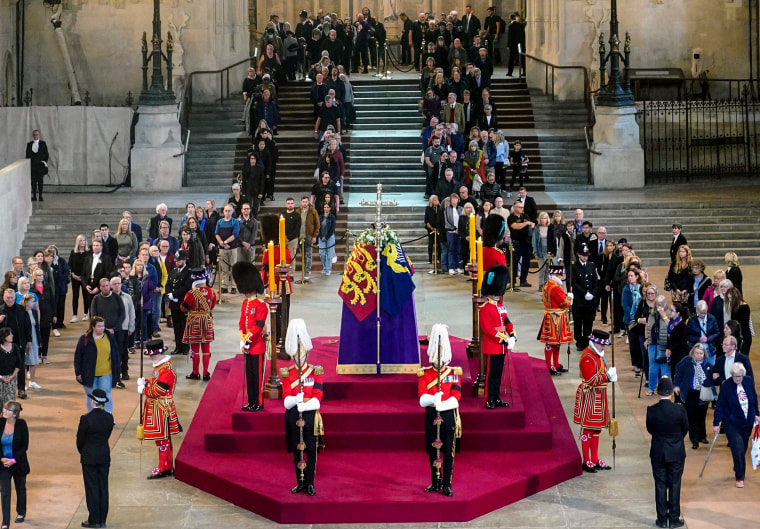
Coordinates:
[180,282]
[584,283]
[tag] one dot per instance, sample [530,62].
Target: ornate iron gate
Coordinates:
[685,140]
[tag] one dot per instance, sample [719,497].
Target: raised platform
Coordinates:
[374,468]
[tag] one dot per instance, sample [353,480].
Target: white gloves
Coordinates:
[437,397]
[511,342]
[289,402]
[299,398]
[312,405]
[612,374]
[589,296]
[426,399]
[140,386]
[172,298]
[570,296]
[243,347]
[449,404]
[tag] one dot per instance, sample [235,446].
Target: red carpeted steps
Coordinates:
[374,468]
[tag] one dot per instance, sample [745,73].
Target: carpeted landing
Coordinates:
[374,468]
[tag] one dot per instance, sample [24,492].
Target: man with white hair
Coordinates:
[703,328]
[440,387]
[161,214]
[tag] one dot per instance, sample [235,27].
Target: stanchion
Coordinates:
[348,240]
[303,279]
[282,273]
[435,253]
[512,272]
[220,277]
[273,387]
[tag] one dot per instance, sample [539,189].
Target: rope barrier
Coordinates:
[394,61]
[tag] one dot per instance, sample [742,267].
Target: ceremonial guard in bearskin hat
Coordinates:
[440,388]
[494,228]
[253,331]
[591,399]
[555,327]
[497,333]
[160,420]
[199,329]
[302,392]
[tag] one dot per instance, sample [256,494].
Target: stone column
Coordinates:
[158,138]
[616,136]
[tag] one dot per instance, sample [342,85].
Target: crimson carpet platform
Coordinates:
[374,468]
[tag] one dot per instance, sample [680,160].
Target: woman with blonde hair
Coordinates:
[127,242]
[76,264]
[541,248]
[713,291]
[680,276]
[733,272]
[32,354]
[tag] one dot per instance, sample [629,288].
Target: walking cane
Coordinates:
[712,445]
[614,428]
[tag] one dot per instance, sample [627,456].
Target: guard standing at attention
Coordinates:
[160,420]
[302,397]
[555,327]
[199,329]
[584,283]
[180,282]
[253,331]
[440,388]
[497,333]
[591,399]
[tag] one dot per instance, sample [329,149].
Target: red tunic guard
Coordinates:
[555,327]
[265,269]
[495,331]
[253,336]
[493,256]
[199,329]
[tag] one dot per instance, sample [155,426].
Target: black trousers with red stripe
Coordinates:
[254,365]
[494,370]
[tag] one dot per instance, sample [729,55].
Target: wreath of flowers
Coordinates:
[368,237]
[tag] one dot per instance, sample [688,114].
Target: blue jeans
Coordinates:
[656,370]
[103,383]
[157,300]
[143,329]
[452,241]
[444,254]
[326,252]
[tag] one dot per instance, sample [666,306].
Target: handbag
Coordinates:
[755,452]
[660,357]
[477,183]
[706,394]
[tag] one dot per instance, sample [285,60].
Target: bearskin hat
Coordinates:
[493,230]
[247,278]
[268,224]
[494,281]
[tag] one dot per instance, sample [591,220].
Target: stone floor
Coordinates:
[621,498]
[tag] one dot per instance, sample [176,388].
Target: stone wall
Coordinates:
[16,205]
[104,41]
[7,53]
[663,35]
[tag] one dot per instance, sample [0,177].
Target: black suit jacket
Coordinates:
[677,243]
[180,282]
[137,230]
[92,437]
[17,320]
[720,367]
[530,208]
[729,411]
[38,169]
[102,269]
[20,446]
[111,247]
[668,424]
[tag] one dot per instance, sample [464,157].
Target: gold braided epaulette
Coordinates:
[421,371]
[318,370]
[284,372]
[457,370]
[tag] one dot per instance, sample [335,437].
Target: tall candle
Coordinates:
[282,241]
[479,244]
[473,255]
[272,280]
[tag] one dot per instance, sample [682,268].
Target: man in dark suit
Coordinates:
[494,28]
[13,316]
[97,265]
[722,369]
[94,430]
[37,152]
[516,43]
[668,424]
[587,237]
[133,226]
[678,241]
[584,290]
[470,26]
[529,204]
[110,245]
[703,328]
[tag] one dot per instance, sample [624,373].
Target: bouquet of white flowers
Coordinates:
[368,237]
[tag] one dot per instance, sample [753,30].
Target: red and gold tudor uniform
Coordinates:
[160,420]
[199,328]
[451,426]
[555,327]
[590,410]
[311,386]
[497,333]
[253,331]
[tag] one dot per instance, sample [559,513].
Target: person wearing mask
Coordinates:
[668,424]
[94,430]
[15,465]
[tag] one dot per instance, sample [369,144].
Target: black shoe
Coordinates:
[501,404]
[174,351]
[605,322]
[490,405]
[561,368]
[206,377]
[589,467]
[310,490]
[601,465]
[658,523]
[252,407]
[694,446]
[34,199]
[554,372]
[159,475]
[88,524]
[525,284]
[435,486]
[42,199]
[22,394]
[185,352]
[120,385]
[125,376]
[677,523]
[298,488]
[704,441]
[193,376]
[20,518]
[447,491]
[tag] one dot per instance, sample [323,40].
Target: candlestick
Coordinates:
[282,240]
[479,246]
[271,272]
[473,255]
